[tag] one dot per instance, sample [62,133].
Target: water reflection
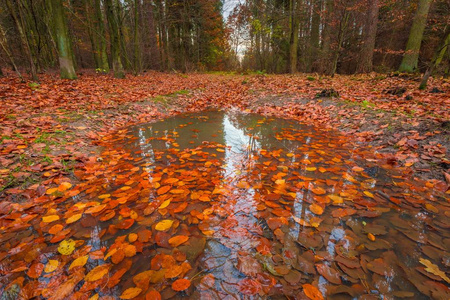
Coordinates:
[262,207]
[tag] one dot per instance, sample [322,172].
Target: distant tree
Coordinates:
[112,8]
[65,52]
[365,62]
[410,60]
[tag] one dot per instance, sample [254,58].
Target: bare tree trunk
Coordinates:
[365,63]
[23,39]
[437,58]
[65,52]
[137,52]
[114,32]
[294,26]
[410,60]
[4,45]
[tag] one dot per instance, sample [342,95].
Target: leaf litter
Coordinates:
[164,214]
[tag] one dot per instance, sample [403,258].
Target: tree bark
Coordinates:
[437,58]
[365,63]
[102,55]
[23,39]
[114,33]
[65,52]
[410,60]
[294,26]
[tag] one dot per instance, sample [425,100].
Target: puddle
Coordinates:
[241,206]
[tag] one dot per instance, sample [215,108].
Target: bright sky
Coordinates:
[228,7]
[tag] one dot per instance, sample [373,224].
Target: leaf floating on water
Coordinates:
[329,273]
[181,284]
[316,209]
[163,190]
[73,218]
[312,292]
[164,225]
[433,269]
[51,266]
[35,270]
[97,273]
[178,240]
[131,293]
[79,262]
[49,219]
[66,247]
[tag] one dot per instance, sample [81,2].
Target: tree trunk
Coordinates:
[100,26]
[24,40]
[315,35]
[137,52]
[294,26]
[437,58]
[65,52]
[410,60]
[4,45]
[365,63]
[114,33]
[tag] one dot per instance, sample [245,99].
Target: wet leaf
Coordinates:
[164,225]
[130,293]
[66,247]
[433,269]
[73,218]
[178,240]
[181,284]
[312,292]
[51,266]
[97,273]
[79,262]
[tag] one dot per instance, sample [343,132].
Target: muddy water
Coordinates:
[243,207]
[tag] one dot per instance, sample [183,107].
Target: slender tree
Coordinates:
[112,17]
[65,52]
[294,25]
[365,62]
[410,60]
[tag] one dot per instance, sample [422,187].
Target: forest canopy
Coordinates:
[274,36]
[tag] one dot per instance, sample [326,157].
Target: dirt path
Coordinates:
[50,130]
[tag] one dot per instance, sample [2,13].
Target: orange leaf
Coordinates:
[316,209]
[130,293]
[163,190]
[73,218]
[153,295]
[178,240]
[35,270]
[312,292]
[181,284]
[97,273]
[64,186]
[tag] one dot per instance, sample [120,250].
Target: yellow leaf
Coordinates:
[433,269]
[49,219]
[310,169]
[51,265]
[336,199]
[104,196]
[131,293]
[51,191]
[368,194]
[431,208]
[164,225]
[97,273]
[79,262]
[73,218]
[66,247]
[164,204]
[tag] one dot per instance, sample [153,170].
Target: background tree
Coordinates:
[411,58]
[65,53]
